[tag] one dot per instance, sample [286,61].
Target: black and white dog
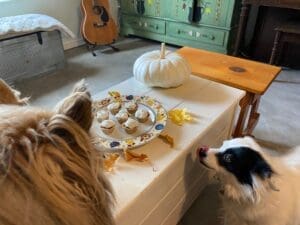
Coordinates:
[258,189]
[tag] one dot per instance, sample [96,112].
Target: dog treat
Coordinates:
[131,107]
[107,126]
[114,107]
[122,116]
[142,115]
[102,115]
[130,126]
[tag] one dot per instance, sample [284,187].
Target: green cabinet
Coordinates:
[207,24]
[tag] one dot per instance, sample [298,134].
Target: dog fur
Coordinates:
[257,188]
[50,173]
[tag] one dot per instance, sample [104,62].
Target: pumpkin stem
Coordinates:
[163,51]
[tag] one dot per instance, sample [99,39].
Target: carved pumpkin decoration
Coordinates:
[161,69]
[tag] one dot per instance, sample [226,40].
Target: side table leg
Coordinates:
[245,104]
[275,48]
[241,27]
[254,115]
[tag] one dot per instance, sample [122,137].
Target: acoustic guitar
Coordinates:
[97,26]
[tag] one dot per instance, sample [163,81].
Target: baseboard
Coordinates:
[73,43]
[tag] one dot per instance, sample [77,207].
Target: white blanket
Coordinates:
[23,24]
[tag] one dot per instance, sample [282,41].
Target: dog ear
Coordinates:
[81,86]
[5,159]
[9,95]
[265,172]
[262,169]
[78,106]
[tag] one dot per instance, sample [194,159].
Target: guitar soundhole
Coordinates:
[104,17]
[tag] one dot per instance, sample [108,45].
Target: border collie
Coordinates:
[257,188]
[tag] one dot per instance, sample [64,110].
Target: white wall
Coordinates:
[66,11]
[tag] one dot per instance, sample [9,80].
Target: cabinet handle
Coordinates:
[211,37]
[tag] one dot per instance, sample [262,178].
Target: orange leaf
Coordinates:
[167,138]
[129,156]
[109,161]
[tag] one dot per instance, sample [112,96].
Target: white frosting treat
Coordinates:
[107,124]
[114,105]
[141,113]
[131,123]
[102,115]
[130,105]
[122,115]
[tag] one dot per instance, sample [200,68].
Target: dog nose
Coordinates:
[202,151]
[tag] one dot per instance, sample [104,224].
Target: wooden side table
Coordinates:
[250,76]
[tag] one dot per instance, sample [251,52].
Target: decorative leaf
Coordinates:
[207,10]
[167,138]
[179,116]
[109,161]
[116,95]
[132,156]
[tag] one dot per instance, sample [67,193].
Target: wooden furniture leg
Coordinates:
[241,28]
[275,48]
[254,115]
[250,101]
[245,104]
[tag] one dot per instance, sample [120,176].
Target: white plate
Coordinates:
[146,132]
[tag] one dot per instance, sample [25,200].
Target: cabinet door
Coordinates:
[213,12]
[141,7]
[179,10]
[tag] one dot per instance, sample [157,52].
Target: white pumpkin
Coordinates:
[161,69]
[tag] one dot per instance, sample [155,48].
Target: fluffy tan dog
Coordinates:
[50,173]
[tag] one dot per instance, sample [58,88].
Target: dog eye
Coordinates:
[228,158]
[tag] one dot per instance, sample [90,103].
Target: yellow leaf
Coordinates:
[116,95]
[179,116]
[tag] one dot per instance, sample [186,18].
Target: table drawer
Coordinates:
[202,34]
[145,24]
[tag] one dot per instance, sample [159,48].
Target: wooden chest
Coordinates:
[31,55]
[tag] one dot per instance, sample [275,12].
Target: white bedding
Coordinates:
[28,23]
